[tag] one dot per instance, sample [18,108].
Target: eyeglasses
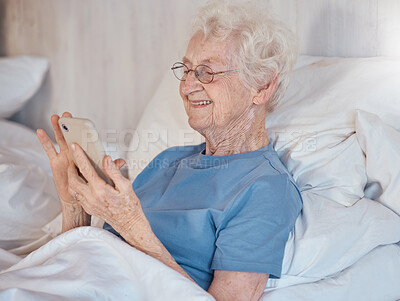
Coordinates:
[202,72]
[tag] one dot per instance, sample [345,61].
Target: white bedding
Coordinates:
[28,197]
[88,263]
[91,264]
[375,277]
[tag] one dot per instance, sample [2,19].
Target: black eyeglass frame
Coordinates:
[196,73]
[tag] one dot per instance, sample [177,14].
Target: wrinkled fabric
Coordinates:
[88,263]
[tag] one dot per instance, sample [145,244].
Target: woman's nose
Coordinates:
[191,83]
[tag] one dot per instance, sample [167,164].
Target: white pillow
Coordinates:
[313,128]
[20,78]
[28,196]
[381,145]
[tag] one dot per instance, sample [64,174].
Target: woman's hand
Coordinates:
[59,162]
[118,206]
[62,161]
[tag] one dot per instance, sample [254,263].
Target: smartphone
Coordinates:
[83,132]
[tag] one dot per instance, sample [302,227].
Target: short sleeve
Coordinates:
[252,235]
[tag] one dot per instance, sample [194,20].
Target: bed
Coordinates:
[337,131]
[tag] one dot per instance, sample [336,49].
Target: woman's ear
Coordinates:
[264,94]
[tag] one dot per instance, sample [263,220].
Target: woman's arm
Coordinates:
[73,216]
[120,207]
[231,285]
[226,285]
[138,233]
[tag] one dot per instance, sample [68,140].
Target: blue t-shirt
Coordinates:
[220,213]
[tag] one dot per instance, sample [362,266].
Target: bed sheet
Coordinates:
[375,277]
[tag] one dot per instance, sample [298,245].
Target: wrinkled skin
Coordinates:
[95,197]
[235,120]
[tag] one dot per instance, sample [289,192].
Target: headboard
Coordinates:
[108,57]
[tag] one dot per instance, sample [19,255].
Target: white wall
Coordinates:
[108,56]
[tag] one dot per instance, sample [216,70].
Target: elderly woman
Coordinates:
[220,212]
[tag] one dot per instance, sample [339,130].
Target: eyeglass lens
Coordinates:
[202,72]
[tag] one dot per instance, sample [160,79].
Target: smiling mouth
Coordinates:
[200,103]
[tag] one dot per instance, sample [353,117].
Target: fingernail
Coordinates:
[73,146]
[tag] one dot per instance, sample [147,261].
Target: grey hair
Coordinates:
[265,47]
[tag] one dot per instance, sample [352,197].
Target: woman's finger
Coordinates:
[46,144]
[84,165]
[121,183]
[76,183]
[59,135]
[66,114]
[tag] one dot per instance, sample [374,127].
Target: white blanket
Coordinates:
[335,254]
[88,263]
